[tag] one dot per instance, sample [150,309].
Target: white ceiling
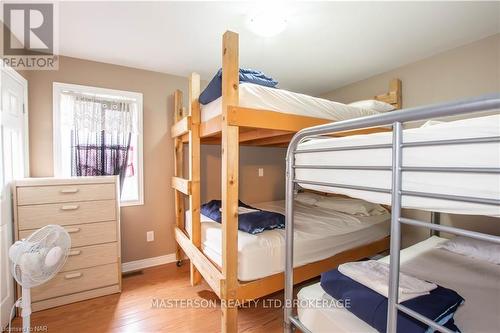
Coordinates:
[326,44]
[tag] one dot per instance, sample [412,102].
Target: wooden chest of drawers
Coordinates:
[88,208]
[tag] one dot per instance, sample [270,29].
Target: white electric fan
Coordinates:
[35,260]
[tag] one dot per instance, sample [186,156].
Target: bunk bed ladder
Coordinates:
[187,128]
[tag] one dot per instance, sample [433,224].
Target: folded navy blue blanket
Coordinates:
[251,222]
[214,88]
[440,304]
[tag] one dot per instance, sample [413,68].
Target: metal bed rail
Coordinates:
[396,120]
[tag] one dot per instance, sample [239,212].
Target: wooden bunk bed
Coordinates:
[234,127]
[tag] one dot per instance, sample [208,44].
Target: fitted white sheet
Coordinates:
[478,282]
[465,155]
[284,101]
[318,234]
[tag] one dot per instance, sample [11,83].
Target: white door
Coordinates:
[13,165]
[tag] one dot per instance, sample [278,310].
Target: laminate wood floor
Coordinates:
[133,310]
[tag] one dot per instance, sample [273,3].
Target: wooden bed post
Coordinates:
[230,166]
[178,171]
[394,96]
[194,169]
[395,86]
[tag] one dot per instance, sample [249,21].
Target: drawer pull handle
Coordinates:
[69,190]
[75,252]
[72,230]
[73,275]
[70,207]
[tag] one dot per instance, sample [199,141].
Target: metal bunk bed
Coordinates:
[396,120]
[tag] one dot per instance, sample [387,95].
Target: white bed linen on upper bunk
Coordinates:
[478,282]
[319,234]
[284,101]
[464,155]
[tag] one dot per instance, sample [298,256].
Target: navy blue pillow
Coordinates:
[252,223]
[440,304]
[214,88]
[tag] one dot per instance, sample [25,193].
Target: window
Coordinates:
[97,132]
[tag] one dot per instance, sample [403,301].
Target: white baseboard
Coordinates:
[149,262]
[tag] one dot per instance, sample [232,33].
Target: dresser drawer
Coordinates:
[89,256]
[65,193]
[37,216]
[76,281]
[87,234]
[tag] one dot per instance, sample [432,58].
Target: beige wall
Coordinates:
[157,213]
[470,70]
[252,188]
[466,71]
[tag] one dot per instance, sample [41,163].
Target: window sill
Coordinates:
[131,203]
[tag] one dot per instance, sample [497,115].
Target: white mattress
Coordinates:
[284,101]
[465,155]
[319,234]
[478,282]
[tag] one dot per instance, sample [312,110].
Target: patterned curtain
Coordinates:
[101,135]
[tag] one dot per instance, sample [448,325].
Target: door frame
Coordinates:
[7,70]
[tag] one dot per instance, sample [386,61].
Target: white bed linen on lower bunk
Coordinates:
[478,282]
[464,155]
[319,234]
[284,101]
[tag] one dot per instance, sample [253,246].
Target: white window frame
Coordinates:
[58,88]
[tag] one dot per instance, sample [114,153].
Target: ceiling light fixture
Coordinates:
[268,22]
